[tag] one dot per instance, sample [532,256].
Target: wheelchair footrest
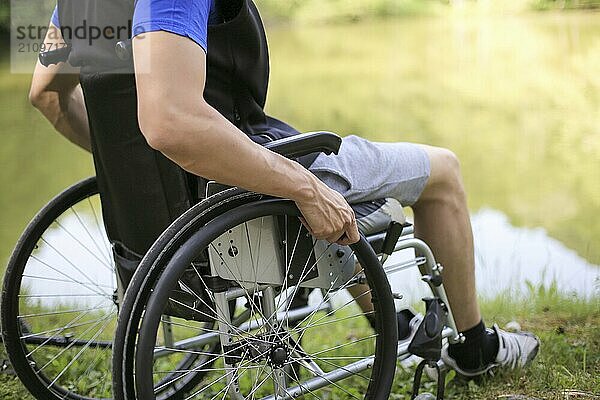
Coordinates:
[427,344]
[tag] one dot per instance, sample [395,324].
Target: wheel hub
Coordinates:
[279,355]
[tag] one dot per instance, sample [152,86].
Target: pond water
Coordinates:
[516,97]
[74,259]
[512,261]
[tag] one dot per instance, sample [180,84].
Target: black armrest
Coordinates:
[293,147]
[55,56]
[306,143]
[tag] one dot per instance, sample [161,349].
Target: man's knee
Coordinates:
[445,180]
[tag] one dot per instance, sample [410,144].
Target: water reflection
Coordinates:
[71,267]
[507,259]
[512,259]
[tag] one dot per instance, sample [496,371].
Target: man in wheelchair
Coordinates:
[193,97]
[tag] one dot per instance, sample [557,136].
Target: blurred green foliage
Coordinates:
[565,4]
[516,98]
[345,10]
[355,10]
[4,15]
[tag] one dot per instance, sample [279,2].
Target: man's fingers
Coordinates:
[353,234]
[344,240]
[334,238]
[350,236]
[335,227]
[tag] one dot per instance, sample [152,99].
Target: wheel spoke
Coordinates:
[45,278]
[90,280]
[72,343]
[70,279]
[87,249]
[64,298]
[78,355]
[102,233]
[264,356]
[88,232]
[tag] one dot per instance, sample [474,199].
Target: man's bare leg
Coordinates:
[361,294]
[442,221]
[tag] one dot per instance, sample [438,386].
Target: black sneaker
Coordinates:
[516,350]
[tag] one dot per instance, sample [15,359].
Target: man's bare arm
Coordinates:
[56,92]
[176,120]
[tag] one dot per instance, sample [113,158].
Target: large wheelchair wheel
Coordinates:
[140,287]
[59,299]
[60,302]
[259,254]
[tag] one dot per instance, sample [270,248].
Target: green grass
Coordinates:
[543,5]
[569,359]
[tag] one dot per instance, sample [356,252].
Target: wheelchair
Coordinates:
[234,300]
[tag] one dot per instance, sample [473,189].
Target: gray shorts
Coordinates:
[366,171]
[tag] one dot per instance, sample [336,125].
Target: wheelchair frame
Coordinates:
[426,263]
[382,243]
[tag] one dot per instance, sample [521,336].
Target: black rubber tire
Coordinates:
[142,280]
[188,248]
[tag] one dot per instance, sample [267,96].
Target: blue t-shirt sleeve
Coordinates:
[187,18]
[54,18]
